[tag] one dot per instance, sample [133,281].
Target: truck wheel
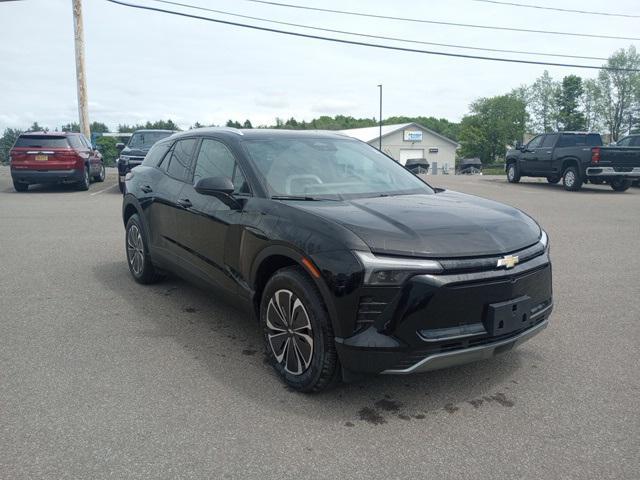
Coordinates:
[513,173]
[572,180]
[553,179]
[620,184]
[297,332]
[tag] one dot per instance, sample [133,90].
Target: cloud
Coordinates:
[272,101]
[333,106]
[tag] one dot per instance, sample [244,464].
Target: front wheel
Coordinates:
[102,174]
[572,179]
[297,332]
[138,259]
[620,184]
[513,173]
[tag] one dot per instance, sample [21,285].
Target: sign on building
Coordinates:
[412,135]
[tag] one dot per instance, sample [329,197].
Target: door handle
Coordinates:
[185,202]
[146,189]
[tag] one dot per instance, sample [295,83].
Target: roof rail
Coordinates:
[223,129]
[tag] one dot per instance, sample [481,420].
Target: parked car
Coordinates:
[574,157]
[132,154]
[54,157]
[629,141]
[351,264]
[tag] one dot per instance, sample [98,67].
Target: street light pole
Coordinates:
[78,30]
[380,120]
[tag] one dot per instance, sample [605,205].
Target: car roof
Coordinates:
[256,133]
[48,134]
[146,130]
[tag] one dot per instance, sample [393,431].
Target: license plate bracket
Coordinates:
[41,158]
[506,317]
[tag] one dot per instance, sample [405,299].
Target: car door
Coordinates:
[530,155]
[160,198]
[94,156]
[204,221]
[545,153]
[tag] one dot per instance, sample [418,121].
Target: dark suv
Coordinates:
[58,157]
[350,263]
[132,154]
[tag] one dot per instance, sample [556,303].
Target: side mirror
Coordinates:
[519,145]
[120,146]
[219,187]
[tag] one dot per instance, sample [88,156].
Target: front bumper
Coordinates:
[47,176]
[437,321]
[126,167]
[631,172]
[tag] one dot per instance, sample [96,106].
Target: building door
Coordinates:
[409,153]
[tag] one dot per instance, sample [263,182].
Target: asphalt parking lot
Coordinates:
[103,378]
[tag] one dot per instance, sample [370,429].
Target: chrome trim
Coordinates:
[611,172]
[467,355]
[43,152]
[541,312]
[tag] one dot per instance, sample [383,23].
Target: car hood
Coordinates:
[135,152]
[442,225]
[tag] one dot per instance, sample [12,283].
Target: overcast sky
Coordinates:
[144,65]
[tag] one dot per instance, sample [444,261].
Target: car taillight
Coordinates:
[595,155]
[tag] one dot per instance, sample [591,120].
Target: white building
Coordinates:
[410,140]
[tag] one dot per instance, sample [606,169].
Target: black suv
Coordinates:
[132,154]
[350,263]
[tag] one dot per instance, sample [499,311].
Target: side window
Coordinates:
[636,141]
[86,142]
[153,157]
[216,160]
[549,141]
[535,143]
[625,142]
[567,141]
[75,142]
[180,161]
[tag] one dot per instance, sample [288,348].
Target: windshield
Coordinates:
[321,167]
[42,141]
[145,140]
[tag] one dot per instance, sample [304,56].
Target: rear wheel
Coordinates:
[101,175]
[140,266]
[513,173]
[20,187]
[553,179]
[297,332]
[86,180]
[571,179]
[620,184]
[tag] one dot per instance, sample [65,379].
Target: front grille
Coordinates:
[623,169]
[470,265]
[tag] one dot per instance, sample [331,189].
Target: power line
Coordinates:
[380,37]
[434,22]
[557,9]
[364,44]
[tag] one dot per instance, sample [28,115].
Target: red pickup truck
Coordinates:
[58,157]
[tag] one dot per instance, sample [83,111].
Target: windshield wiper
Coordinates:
[304,198]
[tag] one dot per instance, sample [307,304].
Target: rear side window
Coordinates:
[180,161]
[625,142]
[580,140]
[216,160]
[154,156]
[76,142]
[41,141]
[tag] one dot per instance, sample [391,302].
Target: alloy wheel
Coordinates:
[289,332]
[511,173]
[135,249]
[569,178]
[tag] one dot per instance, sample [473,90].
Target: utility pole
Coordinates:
[78,30]
[380,120]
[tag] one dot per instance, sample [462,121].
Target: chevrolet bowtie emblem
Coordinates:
[508,261]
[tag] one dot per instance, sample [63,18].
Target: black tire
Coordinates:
[311,367]
[101,175]
[137,252]
[85,182]
[20,187]
[553,179]
[596,181]
[572,180]
[121,185]
[620,184]
[513,173]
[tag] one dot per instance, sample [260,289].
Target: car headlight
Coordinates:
[544,239]
[392,270]
[124,158]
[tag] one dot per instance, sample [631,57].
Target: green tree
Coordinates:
[570,116]
[543,104]
[619,92]
[7,140]
[590,101]
[107,146]
[35,127]
[247,124]
[98,127]
[70,127]
[492,125]
[233,124]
